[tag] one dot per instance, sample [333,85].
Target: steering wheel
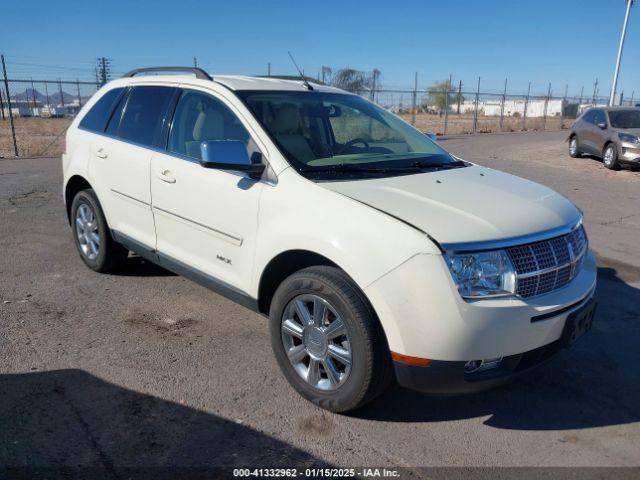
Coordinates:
[353,142]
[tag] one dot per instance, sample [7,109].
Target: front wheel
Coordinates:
[327,340]
[574,149]
[610,157]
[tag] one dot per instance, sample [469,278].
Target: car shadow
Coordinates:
[136,266]
[60,423]
[595,383]
[624,166]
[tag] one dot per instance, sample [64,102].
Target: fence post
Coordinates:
[2,105]
[447,91]
[564,100]
[6,86]
[546,106]
[414,103]
[475,112]
[79,97]
[61,95]
[504,97]
[526,105]
[33,96]
[46,89]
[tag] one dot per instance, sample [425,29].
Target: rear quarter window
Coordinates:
[143,114]
[97,117]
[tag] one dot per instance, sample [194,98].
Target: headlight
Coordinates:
[625,137]
[482,274]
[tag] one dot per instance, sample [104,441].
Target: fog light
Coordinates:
[482,365]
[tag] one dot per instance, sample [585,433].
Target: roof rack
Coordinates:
[198,72]
[293,77]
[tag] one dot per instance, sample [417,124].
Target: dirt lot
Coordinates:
[145,368]
[463,123]
[44,136]
[35,136]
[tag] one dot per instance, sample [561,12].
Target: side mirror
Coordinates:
[229,155]
[432,136]
[602,125]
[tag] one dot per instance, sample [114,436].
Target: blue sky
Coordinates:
[563,41]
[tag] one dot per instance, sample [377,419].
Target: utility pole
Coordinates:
[459,94]
[6,86]
[195,62]
[617,69]
[104,70]
[595,92]
[268,69]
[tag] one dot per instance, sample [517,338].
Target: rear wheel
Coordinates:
[574,149]
[93,240]
[327,340]
[610,157]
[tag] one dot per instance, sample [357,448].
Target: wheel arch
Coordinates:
[283,265]
[74,185]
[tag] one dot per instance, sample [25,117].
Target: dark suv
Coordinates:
[611,133]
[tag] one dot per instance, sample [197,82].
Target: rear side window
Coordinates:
[142,115]
[97,117]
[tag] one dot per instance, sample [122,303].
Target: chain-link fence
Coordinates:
[34,114]
[43,109]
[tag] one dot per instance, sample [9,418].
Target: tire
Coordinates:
[610,156]
[329,290]
[97,249]
[574,148]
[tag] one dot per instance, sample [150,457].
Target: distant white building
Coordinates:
[535,108]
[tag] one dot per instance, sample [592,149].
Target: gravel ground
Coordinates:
[145,368]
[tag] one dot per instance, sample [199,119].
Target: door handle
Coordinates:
[167,176]
[100,153]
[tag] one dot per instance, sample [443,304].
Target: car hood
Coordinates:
[472,204]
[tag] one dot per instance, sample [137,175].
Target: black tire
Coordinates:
[612,163]
[574,153]
[371,369]
[111,255]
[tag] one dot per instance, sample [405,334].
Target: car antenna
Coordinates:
[304,80]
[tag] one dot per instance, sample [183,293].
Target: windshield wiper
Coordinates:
[345,167]
[438,165]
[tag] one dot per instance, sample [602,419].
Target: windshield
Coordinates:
[624,118]
[329,135]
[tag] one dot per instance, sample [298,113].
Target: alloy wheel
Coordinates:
[573,146]
[87,231]
[316,341]
[608,156]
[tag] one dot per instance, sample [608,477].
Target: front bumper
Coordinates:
[629,153]
[424,316]
[451,378]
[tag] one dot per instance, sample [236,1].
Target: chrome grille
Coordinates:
[543,267]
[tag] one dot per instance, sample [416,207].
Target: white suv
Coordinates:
[374,252]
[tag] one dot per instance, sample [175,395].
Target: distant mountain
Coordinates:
[54,97]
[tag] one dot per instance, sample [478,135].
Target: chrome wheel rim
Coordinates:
[573,146]
[316,342]
[608,156]
[87,231]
